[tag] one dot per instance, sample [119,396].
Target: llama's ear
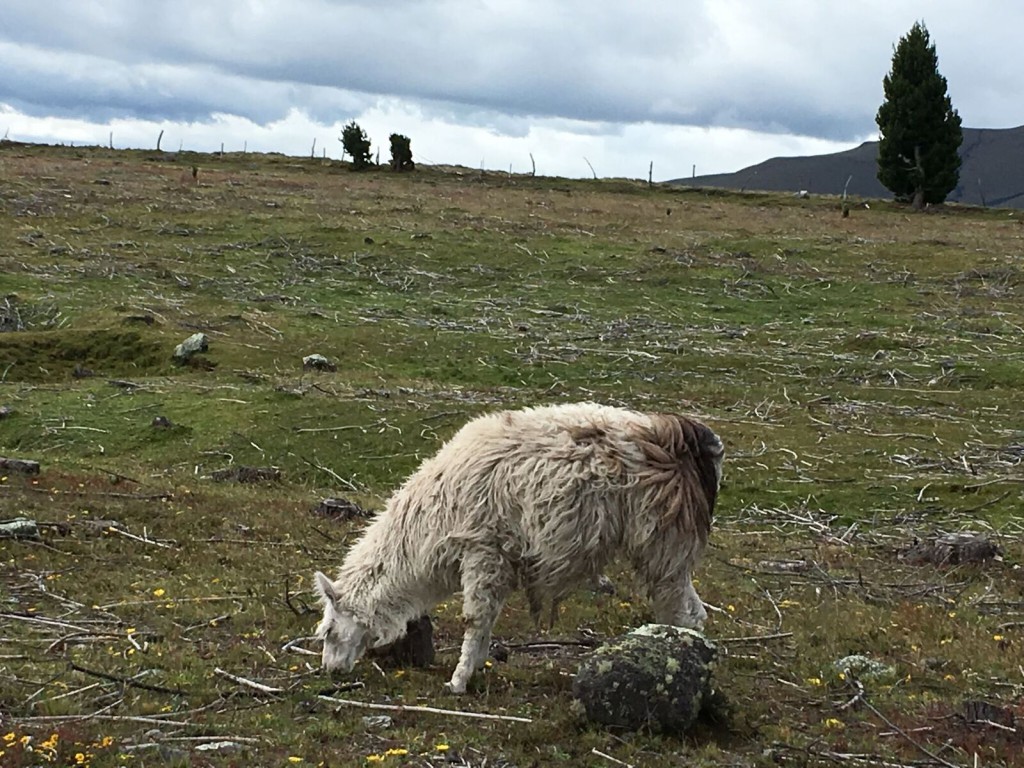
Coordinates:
[325,587]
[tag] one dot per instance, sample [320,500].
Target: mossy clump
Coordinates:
[52,355]
[655,677]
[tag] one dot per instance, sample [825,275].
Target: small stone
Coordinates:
[377,722]
[24,466]
[341,509]
[317,362]
[194,344]
[243,474]
[19,528]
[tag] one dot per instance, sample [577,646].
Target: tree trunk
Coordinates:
[919,188]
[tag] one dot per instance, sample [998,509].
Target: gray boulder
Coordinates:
[656,677]
[194,344]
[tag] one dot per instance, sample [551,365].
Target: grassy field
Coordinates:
[865,373]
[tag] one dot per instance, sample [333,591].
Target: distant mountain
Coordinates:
[992,172]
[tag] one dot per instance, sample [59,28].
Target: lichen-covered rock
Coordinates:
[194,344]
[864,668]
[657,677]
[317,362]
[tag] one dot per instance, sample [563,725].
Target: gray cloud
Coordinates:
[795,67]
[789,67]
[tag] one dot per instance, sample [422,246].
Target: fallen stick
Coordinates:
[129,681]
[112,718]
[430,710]
[244,681]
[615,760]
[142,539]
[754,638]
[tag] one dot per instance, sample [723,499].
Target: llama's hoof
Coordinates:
[453,686]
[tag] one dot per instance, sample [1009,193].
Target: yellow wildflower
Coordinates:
[441,747]
[375,758]
[834,723]
[9,737]
[159,591]
[294,759]
[399,751]
[814,681]
[997,638]
[79,758]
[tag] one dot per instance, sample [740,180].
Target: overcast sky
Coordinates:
[716,84]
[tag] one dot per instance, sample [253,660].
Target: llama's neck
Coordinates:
[383,583]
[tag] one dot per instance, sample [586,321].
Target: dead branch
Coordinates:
[292,646]
[754,638]
[142,539]
[917,745]
[429,710]
[129,681]
[304,611]
[599,753]
[109,718]
[250,683]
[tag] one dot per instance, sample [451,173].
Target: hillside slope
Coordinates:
[992,172]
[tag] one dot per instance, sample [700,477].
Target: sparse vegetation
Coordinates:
[866,375]
[919,131]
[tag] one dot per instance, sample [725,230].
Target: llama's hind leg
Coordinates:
[486,583]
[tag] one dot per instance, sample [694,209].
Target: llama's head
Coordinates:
[345,638]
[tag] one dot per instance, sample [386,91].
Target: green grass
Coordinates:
[864,373]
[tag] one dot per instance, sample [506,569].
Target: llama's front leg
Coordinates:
[676,602]
[485,587]
[693,608]
[475,645]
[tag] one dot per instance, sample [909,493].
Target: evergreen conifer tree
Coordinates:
[919,129]
[401,153]
[356,144]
